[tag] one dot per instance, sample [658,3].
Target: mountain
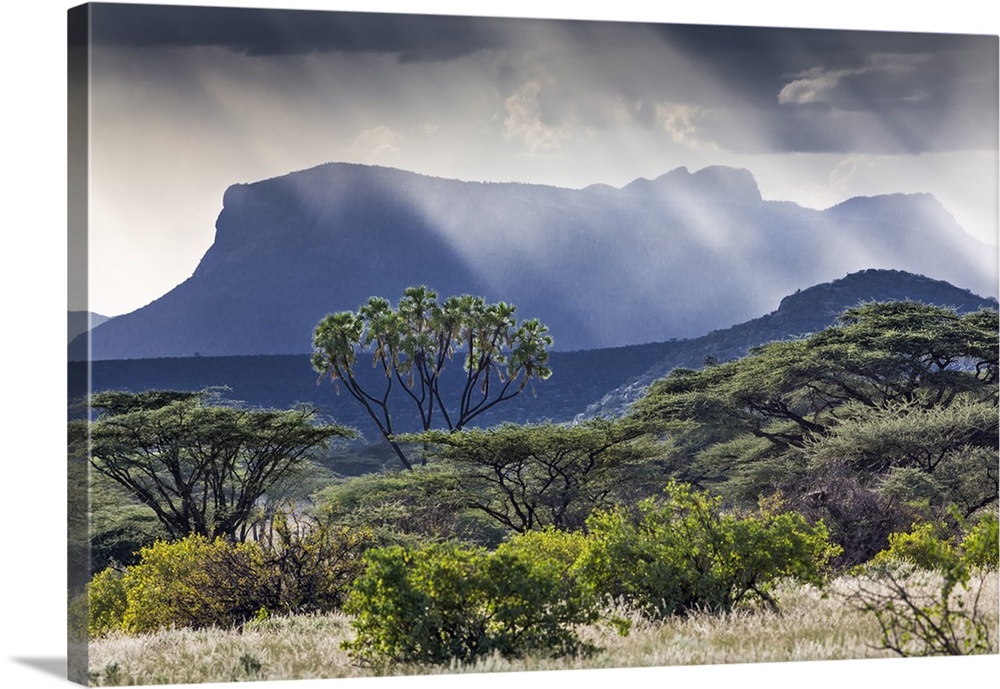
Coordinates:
[583,383]
[672,257]
[798,315]
[80,322]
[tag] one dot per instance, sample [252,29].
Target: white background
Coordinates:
[33,256]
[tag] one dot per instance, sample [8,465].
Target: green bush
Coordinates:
[107,602]
[947,618]
[196,582]
[932,545]
[683,553]
[551,551]
[193,582]
[444,602]
[927,545]
[981,546]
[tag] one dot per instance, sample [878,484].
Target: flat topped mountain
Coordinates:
[672,257]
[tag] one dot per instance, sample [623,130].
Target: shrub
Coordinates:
[981,546]
[933,546]
[309,568]
[683,553]
[913,621]
[196,582]
[107,602]
[927,546]
[444,602]
[550,550]
[549,559]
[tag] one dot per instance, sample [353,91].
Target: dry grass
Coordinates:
[299,647]
[812,625]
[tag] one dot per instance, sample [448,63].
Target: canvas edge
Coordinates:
[78,375]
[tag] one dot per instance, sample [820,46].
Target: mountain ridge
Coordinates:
[584,383]
[798,315]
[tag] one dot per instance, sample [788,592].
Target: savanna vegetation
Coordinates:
[837,492]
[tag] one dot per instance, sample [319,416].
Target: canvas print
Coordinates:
[405,344]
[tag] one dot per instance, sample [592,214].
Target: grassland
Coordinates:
[811,625]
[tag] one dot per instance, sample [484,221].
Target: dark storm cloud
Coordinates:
[801,90]
[757,62]
[265,32]
[836,91]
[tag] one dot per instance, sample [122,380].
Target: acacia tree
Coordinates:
[897,400]
[200,467]
[548,475]
[878,356]
[411,346]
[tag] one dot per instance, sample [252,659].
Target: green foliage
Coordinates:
[193,582]
[201,468]
[553,557]
[912,486]
[683,553]
[892,389]
[742,469]
[406,507]
[107,602]
[927,545]
[528,477]
[981,545]
[937,546]
[935,456]
[444,602]
[908,434]
[411,345]
[903,351]
[548,548]
[196,582]
[879,354]
[119,525]
[917,618]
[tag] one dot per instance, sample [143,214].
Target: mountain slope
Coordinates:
[79,322]
[672,257]
[583,383]
[800,314]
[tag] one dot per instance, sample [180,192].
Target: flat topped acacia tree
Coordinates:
[200,465]
[412,345]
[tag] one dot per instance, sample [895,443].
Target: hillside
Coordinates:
[79,322]
[673,257]
[805,312]
[584,383]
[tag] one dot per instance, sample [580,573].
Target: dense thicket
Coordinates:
[200,582]
[890,413]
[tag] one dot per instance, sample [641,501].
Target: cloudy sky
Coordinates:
[187,101]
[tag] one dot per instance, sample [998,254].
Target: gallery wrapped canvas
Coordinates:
[408,344]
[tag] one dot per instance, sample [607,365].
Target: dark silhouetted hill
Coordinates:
[583,383]
[798,315]
[80,322]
